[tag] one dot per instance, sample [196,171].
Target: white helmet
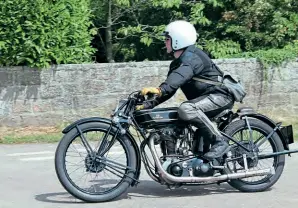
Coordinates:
[182,33]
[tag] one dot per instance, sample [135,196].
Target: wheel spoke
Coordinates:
[243,136]
[90,174]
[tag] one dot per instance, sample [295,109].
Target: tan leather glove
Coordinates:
[148,104]
[153,90]
[140,107]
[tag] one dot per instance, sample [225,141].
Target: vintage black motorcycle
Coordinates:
[98,159]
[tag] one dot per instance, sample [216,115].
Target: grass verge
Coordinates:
[30,135]
[54,134]
[40,138]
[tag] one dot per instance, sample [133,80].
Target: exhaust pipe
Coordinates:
[173,179]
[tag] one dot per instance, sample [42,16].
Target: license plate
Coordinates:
[287,131]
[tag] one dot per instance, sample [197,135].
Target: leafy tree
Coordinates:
[260,24]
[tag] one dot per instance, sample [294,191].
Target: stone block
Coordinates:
[294,99]
[50,92]
[21,106]
[279,87]
[28,77]
[86,102]
[5,108]
[6,79]
[62,103]
[32,92]
[65,76]
[254,89]
[25,119]
[276,112]
[12,93]
[71,89]
[109,74]
[41,106]
[90,87]
[46,77]
[277,99]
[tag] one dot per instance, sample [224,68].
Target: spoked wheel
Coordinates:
[255,138]
[87,173]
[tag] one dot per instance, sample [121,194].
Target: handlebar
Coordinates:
[141,98]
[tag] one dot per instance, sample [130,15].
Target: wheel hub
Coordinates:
[93,164]
[252,160]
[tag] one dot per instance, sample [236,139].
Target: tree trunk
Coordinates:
[109,44]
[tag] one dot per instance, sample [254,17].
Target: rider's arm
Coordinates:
[164,98]
[190,66]
[177,78]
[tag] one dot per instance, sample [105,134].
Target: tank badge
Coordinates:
[158,117]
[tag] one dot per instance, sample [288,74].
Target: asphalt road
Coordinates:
[28,180]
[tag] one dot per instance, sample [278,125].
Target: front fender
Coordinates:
[108,121]
[85,120]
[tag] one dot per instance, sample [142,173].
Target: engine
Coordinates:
[193,167]
[178,160]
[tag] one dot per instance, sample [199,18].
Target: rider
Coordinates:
[204,100]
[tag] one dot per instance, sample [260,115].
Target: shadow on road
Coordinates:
[146,189]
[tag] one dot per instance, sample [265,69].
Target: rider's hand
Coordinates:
[140,107]
[153,90]
[148,104]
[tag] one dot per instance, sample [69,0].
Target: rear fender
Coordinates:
[285,139]
[250,113]
[108,121]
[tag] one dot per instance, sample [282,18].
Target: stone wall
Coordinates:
[65,93]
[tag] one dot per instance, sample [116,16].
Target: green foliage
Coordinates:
[272,57]
[225,28]
[222,48]
[167,3]
[41,32]
[259,25]
[197,15]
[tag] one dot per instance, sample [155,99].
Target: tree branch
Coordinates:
[130,9]
[101,40]
[104,27]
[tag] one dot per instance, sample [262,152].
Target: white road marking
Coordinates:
[30,153]
[37,158]
[51,153]
[81,146]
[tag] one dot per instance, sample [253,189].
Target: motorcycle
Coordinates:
[98,159]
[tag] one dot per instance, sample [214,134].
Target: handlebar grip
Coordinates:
[151,96]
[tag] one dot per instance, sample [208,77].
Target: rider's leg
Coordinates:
[197,112]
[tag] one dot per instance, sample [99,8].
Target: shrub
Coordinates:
[43,32]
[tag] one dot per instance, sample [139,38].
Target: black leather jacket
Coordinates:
[193,62]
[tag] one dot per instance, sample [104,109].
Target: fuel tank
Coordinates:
[157,117]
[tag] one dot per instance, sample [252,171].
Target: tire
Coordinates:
[277,146]
[67,182]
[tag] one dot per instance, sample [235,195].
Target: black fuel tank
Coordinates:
[156,117]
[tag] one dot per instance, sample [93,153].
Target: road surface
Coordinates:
[29,181]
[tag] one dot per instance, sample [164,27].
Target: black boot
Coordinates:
[218,149]
[219,146]
[203,136]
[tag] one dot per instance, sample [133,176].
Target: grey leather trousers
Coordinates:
[199,110]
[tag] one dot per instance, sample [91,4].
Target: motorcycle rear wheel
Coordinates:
[274,142]
[91,172]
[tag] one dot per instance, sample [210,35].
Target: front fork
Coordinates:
[116,167]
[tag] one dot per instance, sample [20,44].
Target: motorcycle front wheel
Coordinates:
[258,130]
[86,174]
